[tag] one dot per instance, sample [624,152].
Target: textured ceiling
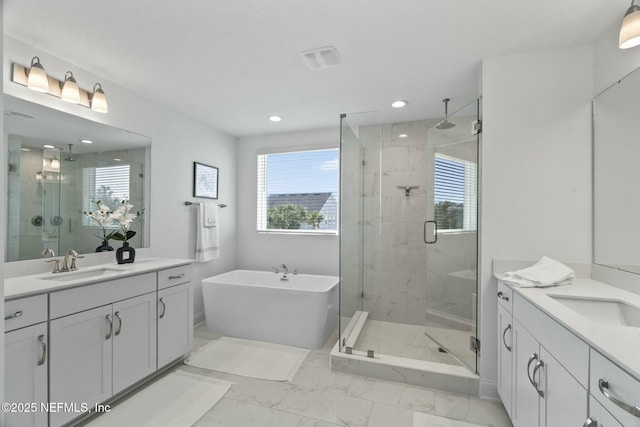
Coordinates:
[242,57]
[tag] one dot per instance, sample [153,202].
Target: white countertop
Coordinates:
[17,287]
[621,344]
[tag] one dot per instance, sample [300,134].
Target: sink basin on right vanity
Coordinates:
[605,311]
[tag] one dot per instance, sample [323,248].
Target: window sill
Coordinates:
[300,232]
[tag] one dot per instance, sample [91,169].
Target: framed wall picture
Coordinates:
[205,181]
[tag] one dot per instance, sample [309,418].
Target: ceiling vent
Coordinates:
[322,57]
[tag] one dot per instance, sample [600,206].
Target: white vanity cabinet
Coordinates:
[616,392]
[97,353]
[505,346]
[26,360]
[175,314]
[550,370]
[85,343]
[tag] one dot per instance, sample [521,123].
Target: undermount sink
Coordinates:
[77,275]
[609,312]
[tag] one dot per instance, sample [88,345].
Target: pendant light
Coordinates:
[70,90]
[36,76]
[630,28]
[99,100]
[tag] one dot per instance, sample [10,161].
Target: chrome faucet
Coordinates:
[65,264]
[55,261]
[284,270]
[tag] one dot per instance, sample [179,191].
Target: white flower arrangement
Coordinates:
[122,217]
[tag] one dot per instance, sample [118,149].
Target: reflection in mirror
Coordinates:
[55,175]
[616,152]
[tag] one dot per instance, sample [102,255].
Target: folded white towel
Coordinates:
[210,211]
[207,237]
[544,273]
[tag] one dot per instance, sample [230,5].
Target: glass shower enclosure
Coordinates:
[408,237]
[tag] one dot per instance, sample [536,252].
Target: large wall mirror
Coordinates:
[616,175]
[55,175]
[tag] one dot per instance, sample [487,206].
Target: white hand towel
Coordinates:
[207,236]
[546,272]
[209,218]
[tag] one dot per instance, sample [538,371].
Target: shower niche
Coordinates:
[409,241]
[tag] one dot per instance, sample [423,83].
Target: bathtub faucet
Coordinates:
[284,270]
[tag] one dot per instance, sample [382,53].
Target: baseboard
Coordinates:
[489,390]
[198,318]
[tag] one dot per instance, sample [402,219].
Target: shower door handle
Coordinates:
[435,232]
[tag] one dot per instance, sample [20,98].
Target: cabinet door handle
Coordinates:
[533,357]
[14,315]
[503,337]
[502,296]
[119,323]
[176,277]
[43,344]
[536,385]
[591,422]
[110,320]
[603,385]
[164,307]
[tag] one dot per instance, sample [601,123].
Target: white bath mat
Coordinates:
[177,400]
[427,420]
[255,359]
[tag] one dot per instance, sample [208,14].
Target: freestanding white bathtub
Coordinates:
[257,305]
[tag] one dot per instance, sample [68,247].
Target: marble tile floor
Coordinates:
[322,398]
[404,340]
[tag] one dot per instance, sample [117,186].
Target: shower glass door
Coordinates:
[451,234]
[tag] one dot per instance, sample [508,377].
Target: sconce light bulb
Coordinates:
[99,100]
[36,76]
[70,90]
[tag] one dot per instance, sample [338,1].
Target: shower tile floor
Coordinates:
[408,341]
[319,397]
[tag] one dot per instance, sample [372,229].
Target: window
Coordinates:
[298,192]
[108,184]
[455,193]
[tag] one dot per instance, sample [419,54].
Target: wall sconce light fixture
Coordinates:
[55,163]
[39,176]
[630,28]
[99,100]
[35,78]
[70,91]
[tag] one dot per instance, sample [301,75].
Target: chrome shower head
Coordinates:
[70,158]
[445,123]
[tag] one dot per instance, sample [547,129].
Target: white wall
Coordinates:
[536,169]
[309,254]
[177,141]
[3,175]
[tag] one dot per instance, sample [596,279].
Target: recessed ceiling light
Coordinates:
[25,149]
[49,146]
[275,118]
[86,141]
[117,160]
[403,135]
[399,103]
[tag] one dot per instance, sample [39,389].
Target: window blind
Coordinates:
[109,185]
[298,191]
[455,193]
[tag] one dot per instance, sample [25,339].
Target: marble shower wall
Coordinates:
[399,284]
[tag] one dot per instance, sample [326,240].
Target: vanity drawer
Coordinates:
[64,303]
[505,296]
[567,348]
[22,312]
[621,386]
[174,276]
[599,414]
